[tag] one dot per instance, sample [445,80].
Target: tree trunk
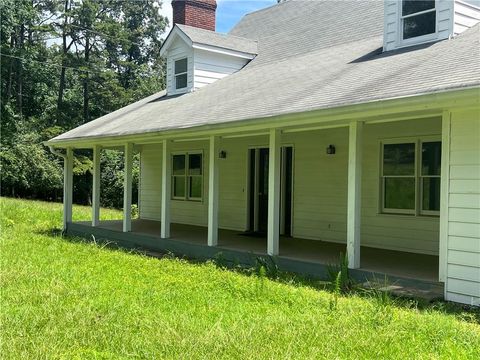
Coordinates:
[20,71]
[85,82]
[10,70]
[61,86]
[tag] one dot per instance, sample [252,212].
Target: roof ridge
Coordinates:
[217,33]
[265,8]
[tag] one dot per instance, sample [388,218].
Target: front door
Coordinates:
[263,190]
[258,188]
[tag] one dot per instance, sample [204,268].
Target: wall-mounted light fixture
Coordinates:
[222,154]
[331,149]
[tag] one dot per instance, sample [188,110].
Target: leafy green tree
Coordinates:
[64,63]
[111,181]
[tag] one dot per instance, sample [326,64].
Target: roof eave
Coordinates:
[176,31]
[224,51]
[432,103]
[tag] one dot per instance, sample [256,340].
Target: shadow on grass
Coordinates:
[55,232]
[266,266]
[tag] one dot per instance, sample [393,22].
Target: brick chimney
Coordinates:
[197,13]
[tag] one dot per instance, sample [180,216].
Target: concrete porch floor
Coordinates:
[395,263]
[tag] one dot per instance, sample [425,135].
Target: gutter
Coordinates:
[56,152]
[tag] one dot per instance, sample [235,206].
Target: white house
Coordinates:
[311,128]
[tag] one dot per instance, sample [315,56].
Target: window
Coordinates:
[187,176]
[181,73]
[404,189]
[399,177]
[430,176]
[418,18]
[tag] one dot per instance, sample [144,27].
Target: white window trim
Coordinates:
[182,73]
[418,141]
[418,39]
[186,197]
[420,176]
[383,209]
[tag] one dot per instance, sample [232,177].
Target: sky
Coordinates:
[229,12]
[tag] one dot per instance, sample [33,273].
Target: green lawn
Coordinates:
[67,299]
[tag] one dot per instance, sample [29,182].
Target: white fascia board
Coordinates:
[223,51]
[174,33]
[472,6]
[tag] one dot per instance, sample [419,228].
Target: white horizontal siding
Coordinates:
[464,287]
[468,273]
[150,182]
[391,18]
[464,215]
[468,201]
[233,182]
[467,186]
[464,157]
[466,244]
[466,16]
[320,185]
[444,19]
[465,258]
[464,299]
[463,250]
[466,172]
[210,67]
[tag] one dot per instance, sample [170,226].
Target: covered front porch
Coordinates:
[311,257]
[301,196]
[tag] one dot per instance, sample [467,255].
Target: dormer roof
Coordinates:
[208,40]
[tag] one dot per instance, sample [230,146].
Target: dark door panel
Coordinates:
[263,191]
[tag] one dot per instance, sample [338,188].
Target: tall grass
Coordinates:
[67,299]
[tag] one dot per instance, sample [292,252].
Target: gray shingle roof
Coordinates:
[304,64]
[225,41]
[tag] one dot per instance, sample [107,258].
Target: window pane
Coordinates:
[431,194]
[431,158]
[179,186]
[419,25]
[195,164]
[414,6]
[181,66]
[181,81]
[399,193]
[178,164]
[399,159]
[195,189]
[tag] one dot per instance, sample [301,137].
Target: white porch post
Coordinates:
[96,186]
[444,190]
[354,193]
[67,187]
[166,190]
[213,192]
[127,188]
[273,228]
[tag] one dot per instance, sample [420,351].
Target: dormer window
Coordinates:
[414,22]
[418,18]
[181,73]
